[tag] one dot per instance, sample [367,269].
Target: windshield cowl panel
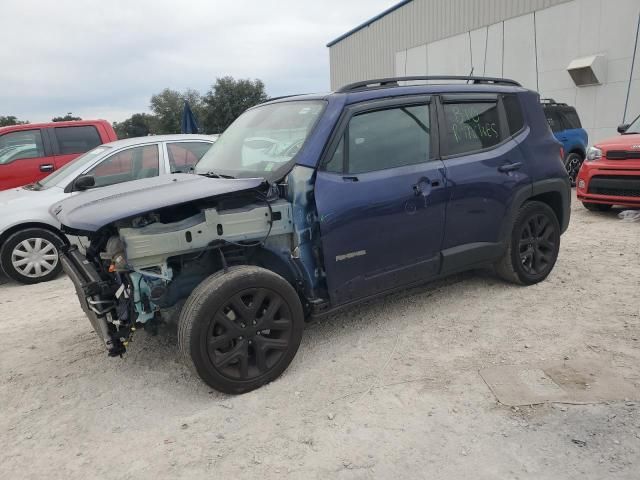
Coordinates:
[263,140]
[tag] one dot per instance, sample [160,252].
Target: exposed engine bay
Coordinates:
[137,270]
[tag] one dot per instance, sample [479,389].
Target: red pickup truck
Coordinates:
[30,152]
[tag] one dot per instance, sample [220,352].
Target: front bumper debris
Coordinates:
[96,295]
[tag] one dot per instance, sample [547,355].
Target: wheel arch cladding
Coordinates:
[554,200]
[579,150]
[555,192]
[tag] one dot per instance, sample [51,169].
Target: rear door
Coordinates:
[485,170]
[25,157]
[71,142]
[381,199]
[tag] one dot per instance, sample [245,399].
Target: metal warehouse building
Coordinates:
[580,52]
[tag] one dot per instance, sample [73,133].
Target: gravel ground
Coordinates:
[389,389]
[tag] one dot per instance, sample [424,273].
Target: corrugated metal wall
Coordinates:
[370,52]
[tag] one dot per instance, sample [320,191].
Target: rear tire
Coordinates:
[597,207]
[572,164]
[31,256]
[533,245]
[241,329]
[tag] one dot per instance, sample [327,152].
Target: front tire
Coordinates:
[241,329]
[596,207]
[572,164]
[533,247]
[31,256]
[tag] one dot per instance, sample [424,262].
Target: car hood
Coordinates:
[96,208]
[20,198]
[621,142]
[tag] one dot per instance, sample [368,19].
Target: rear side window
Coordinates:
[554,120]
[20,145]
[76,139]
[384,139]
[183,156]
[470,127]
[571,119]
[514,113]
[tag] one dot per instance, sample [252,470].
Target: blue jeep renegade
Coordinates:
[311,203]
[566,127]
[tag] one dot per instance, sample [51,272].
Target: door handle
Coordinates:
[509,167]
[46,167]
[350,179]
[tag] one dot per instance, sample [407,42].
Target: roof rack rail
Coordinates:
[393,81]
[551,101]
[281,97]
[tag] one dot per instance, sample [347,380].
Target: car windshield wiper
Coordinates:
[216,175]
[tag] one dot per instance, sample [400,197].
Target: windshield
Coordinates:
[83,160]
[634,127]
[262,139]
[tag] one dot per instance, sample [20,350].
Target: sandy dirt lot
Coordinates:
[387,390]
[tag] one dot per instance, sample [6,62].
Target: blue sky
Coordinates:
[102,59]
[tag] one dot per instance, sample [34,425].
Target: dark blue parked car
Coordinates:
[310,203]
[565,125]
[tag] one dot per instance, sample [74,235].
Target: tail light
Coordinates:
[562,154]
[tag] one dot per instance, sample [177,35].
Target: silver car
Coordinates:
[29,235]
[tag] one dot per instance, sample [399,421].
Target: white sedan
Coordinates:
[30,237]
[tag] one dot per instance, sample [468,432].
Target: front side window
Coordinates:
[262,140]
[131,164]
[384,139]
[471,127]
[20,145]
[76,139]
[60,175]
[183,156]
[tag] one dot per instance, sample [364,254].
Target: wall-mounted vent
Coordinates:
[588,70]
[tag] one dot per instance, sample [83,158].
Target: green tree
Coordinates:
[11,120]
[138,125]
[67,118]
[228,98]
[168,106]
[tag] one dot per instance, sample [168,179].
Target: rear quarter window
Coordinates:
[79,139]
[514,113]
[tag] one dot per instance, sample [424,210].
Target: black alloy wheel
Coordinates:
[533,246]
[572,163]
[241,329]
[249,334]
[537,246]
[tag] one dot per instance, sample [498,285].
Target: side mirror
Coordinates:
[84,182]
[623,128]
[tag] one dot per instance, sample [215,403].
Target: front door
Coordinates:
[23,158]
[381,199]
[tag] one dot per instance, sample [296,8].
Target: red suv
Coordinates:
[30,152]
[610,175]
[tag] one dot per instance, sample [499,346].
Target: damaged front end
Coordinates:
[137,269]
